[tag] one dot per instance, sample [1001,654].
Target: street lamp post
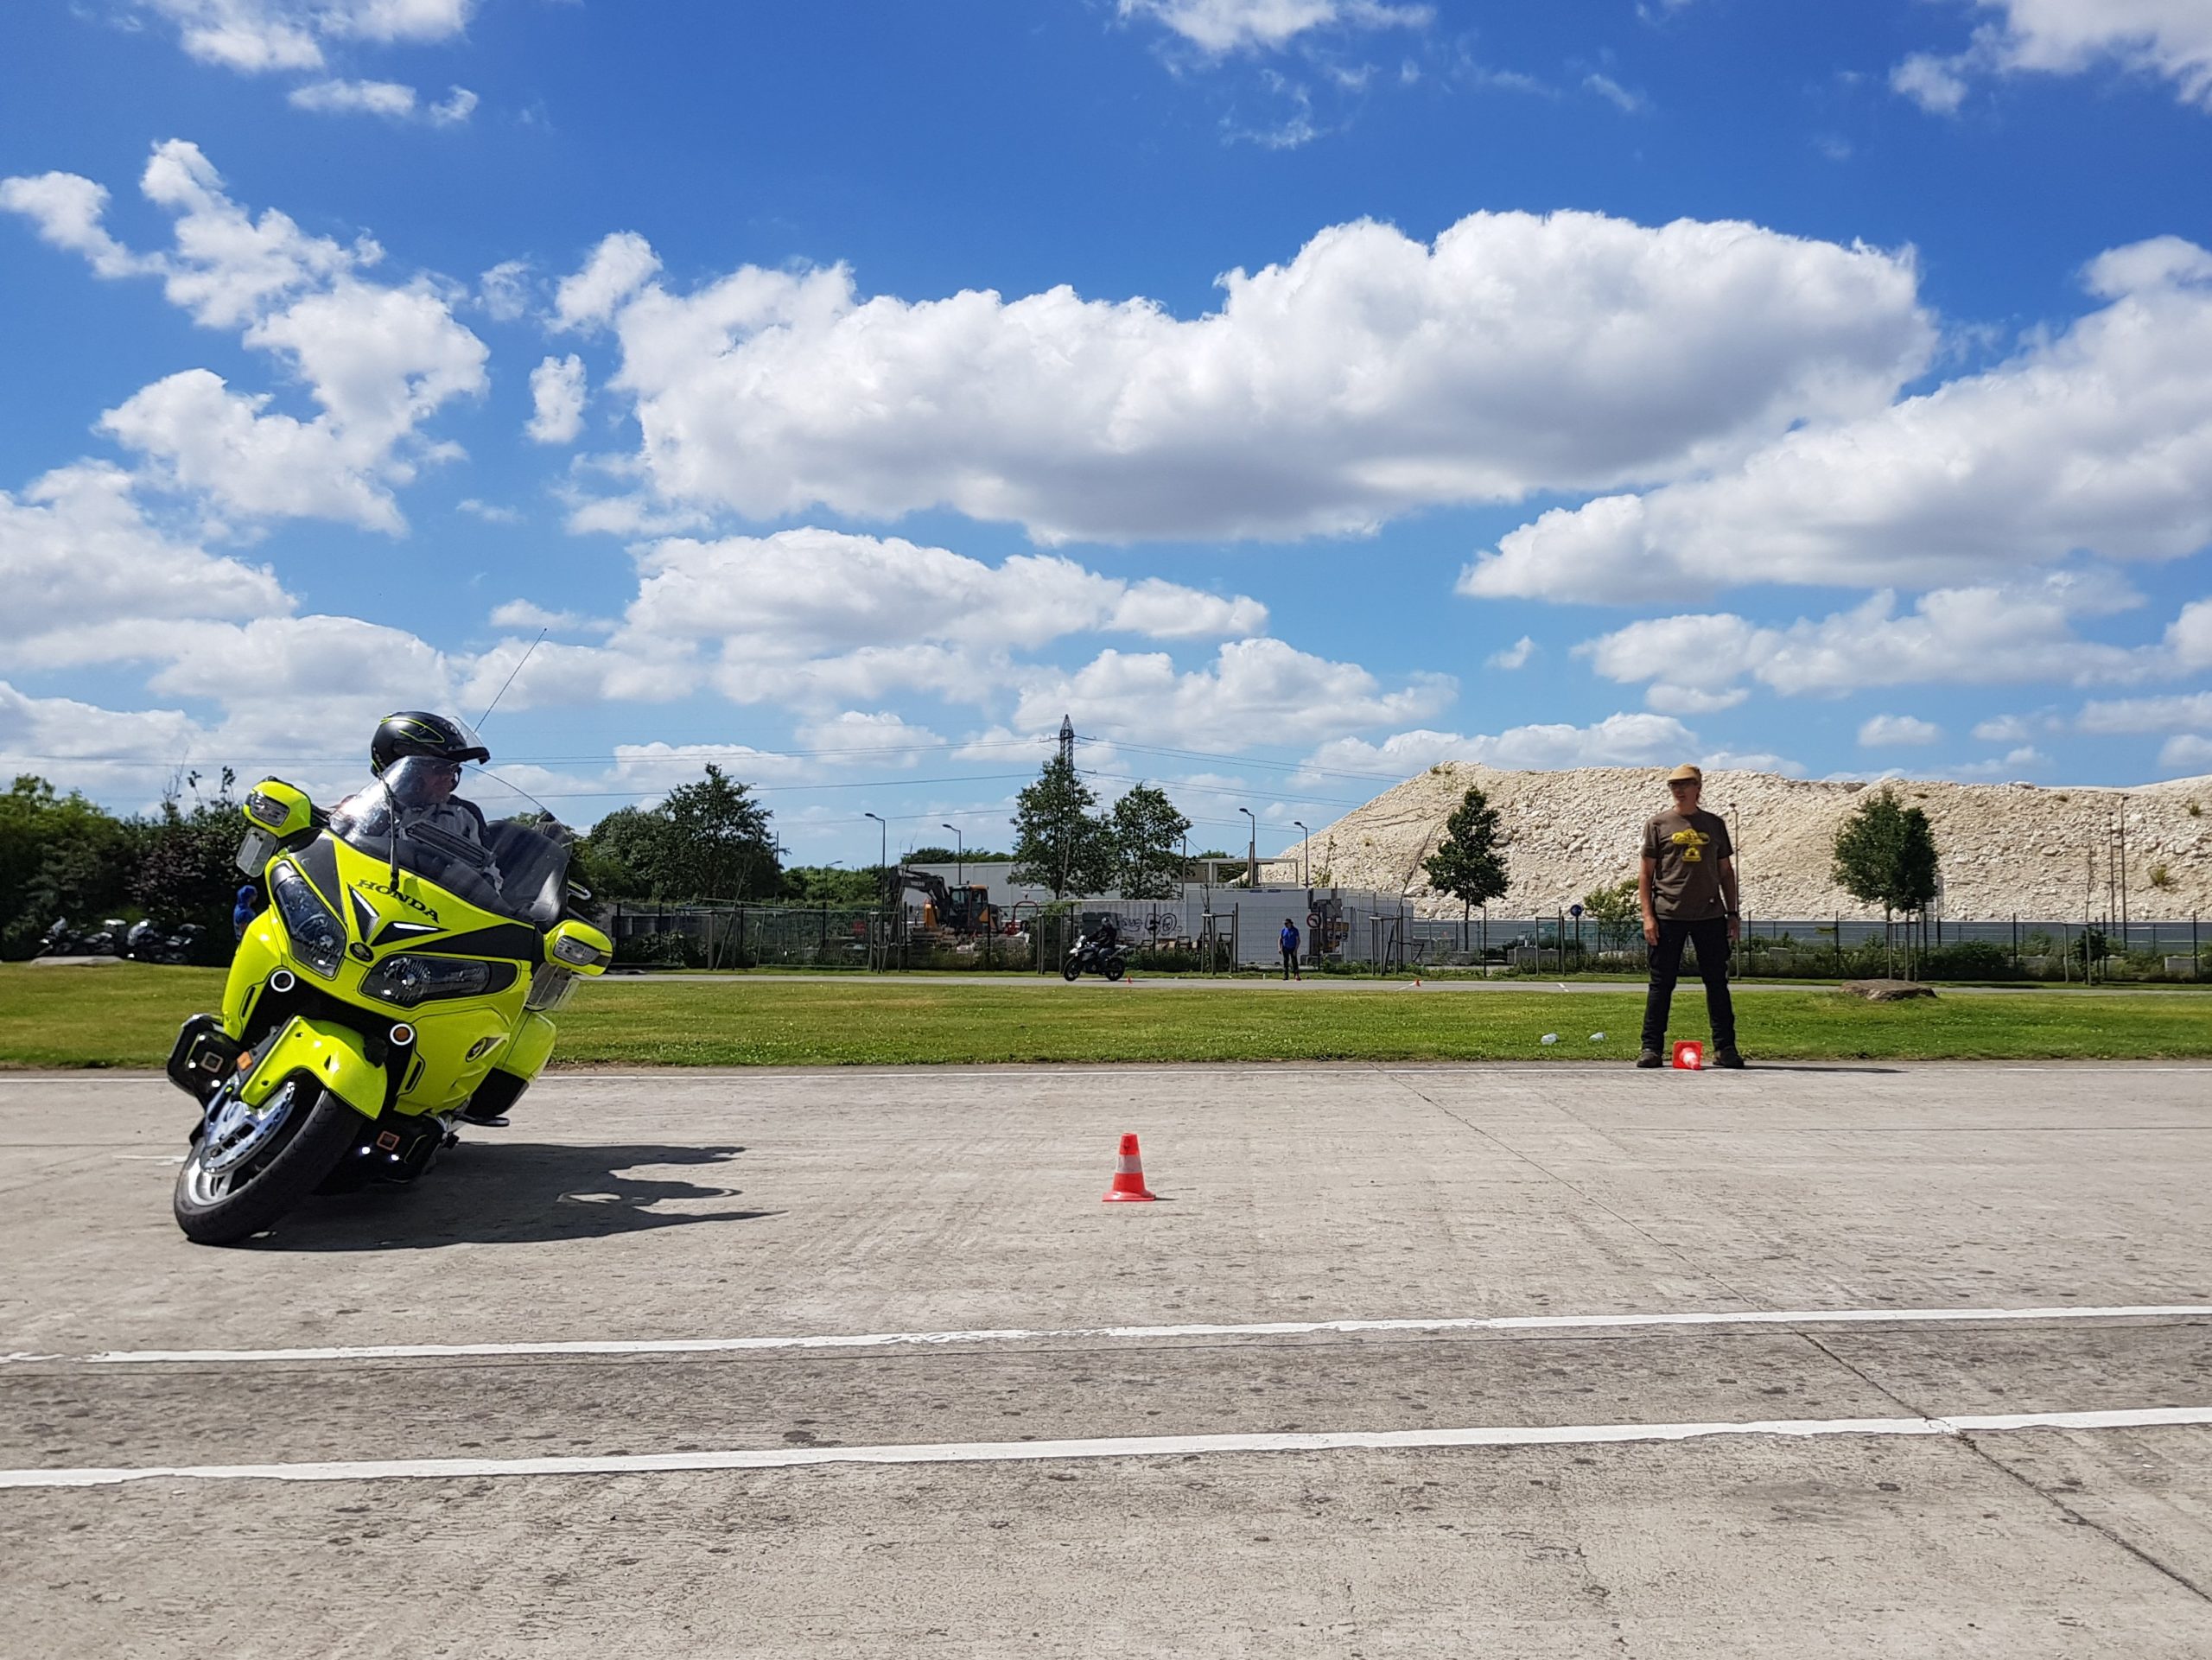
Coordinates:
[885,897]
[1305,870]
[959,855]
[882,847]
[1252,851]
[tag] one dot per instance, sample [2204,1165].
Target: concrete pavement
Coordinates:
[950,1218]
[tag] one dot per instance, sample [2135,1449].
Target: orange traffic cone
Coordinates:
[1689,1057]
[1128,1187]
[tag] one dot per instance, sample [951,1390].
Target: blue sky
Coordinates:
[1297,392]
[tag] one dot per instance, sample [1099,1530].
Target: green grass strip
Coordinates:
[127,1015]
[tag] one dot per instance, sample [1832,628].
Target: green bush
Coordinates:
[1968,959]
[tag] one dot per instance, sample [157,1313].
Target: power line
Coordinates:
[689,757]
[774,789]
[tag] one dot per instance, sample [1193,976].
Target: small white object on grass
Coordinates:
[1551,1037]
[1597,1037]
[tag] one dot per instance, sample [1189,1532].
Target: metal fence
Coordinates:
[745,935]
[1375,933]
[2019,948]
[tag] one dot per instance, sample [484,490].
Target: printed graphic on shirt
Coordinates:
[1692,843]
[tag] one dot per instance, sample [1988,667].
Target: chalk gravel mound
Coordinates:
[2007,849]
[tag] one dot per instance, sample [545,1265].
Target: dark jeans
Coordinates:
[1710,940]
[1290,962]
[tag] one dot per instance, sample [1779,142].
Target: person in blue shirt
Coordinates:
[243,912]
[1290,951]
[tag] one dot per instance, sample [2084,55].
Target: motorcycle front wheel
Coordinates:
[251,1167]
[1071,970]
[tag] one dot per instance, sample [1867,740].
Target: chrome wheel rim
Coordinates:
[236,1135]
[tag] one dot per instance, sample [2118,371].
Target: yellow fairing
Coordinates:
[329,1054]
[533,1047]
[457,1039]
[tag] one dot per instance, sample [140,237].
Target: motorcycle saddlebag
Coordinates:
[203,1058]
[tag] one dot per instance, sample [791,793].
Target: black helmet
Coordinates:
[413,732]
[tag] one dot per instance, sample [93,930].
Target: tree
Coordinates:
[1885,855]
[1059,841]
[708,840]
[1148,834]
[718,845]
[61,855]
[1468,863]
[1616,910]
[934,854]
[187,871]
[623,854]
[831,885]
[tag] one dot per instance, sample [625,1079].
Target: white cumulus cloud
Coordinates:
[68,211]
[1218,26]
[556,389]
[1371,376]
[255,36]
[812,618]
[386,98]
[621,264]
[2100,438]
[1959,636]
[379,360]
[2168,39]
[76,744]
[2186,756]
[90,579]
[391,99]
[1885,731]
[2185,712]
[1262,685]
[1932,82]
[1622,740]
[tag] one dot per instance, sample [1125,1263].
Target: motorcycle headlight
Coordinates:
[408,980]
[315,931]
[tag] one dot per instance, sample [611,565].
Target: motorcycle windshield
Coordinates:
[463,828]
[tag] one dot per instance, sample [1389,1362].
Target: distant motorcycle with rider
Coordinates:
[1096,950]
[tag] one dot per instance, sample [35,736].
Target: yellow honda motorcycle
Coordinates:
[403,979]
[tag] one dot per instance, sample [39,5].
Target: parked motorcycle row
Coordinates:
[141,942]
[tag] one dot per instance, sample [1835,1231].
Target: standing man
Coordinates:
[1288,940]
[1687,881]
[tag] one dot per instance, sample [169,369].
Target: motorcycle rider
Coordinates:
[435,748]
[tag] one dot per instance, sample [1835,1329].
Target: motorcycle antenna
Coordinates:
[509,680]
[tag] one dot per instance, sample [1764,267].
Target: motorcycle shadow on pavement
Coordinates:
[488,1193]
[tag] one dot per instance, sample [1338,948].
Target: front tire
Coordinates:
[224,1205]
[1071,970]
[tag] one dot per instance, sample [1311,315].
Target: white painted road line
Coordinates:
[1122,1446]
[1131,1333]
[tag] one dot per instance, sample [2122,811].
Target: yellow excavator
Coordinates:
[963,910]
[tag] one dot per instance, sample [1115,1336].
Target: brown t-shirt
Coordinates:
[1686,848]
